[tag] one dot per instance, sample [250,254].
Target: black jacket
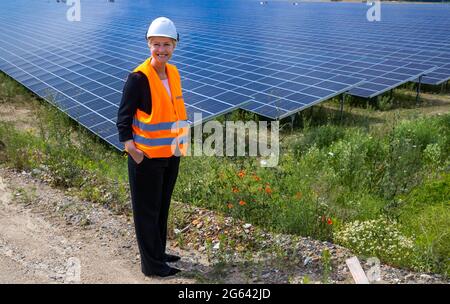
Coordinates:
[136,95]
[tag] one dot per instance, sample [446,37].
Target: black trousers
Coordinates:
[151,183]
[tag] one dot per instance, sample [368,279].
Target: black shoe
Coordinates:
[171,258]
[172,271]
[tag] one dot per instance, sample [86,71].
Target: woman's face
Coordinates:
[161,48]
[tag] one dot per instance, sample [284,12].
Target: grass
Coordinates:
[424,213]
[63,152]
[383,169]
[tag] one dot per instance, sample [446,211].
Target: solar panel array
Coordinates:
[273,60]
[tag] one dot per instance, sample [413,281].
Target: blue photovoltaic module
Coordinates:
[274,59]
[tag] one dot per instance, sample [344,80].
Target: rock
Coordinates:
[307,261]
[425,277]
[216,245]
[316,259]
[36,172]
[247,226]
[266,275]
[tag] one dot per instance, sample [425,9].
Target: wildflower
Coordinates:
[268,190]
[235,190]
[329,221]
[256,178]
[242,203]
[241,173]
[230,205]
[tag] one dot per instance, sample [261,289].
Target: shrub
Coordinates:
[354,159]
[381,238]
[356,205]
[420,132]
[401,169]
[321,137]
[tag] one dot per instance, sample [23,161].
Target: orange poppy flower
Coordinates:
[268,190]
[235,190]
[329,221]
[256,178]
[230,205]
[241,173]
[242,203]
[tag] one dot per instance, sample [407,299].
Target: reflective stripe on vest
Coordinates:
[168,141]
[160,126]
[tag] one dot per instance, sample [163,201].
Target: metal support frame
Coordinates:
[341,107]
[418,90]
[444,87]
[292,122]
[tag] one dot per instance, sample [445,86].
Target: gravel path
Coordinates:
[41,244]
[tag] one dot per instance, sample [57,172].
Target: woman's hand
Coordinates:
[134,152]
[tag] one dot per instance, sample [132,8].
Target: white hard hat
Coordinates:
[162,27]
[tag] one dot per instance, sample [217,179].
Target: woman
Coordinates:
[152,124]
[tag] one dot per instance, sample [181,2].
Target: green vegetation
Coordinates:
[62,152]
[378,186]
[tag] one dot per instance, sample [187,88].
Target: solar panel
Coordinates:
[273,60]
[84,83]
[289,97]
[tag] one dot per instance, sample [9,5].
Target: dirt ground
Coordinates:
[38,245]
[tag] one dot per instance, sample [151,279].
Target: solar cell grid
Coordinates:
[225,58]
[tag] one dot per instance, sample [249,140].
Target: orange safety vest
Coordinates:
[164,132]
